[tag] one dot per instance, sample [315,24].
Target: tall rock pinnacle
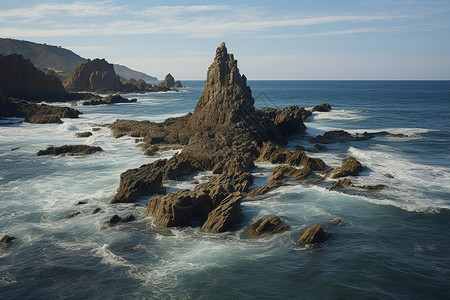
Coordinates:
[226,99]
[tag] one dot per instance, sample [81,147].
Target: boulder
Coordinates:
[271,225]
[96,210]
[350,167]
[313,235]
[224,216]
[322,107]
[6,241]
[95,76]
[83,134]
[20,79]
[336,222]
[117,219]
[70,150]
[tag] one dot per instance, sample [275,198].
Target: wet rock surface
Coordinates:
[313,235]
[350,167]
[271,225]
[6,241]
[70,150]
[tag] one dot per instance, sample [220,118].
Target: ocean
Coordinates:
[392,243]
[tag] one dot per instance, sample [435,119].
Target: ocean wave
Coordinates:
[339,114]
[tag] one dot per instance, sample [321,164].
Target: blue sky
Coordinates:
[328,39]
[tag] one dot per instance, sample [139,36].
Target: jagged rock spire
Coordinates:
[226,99]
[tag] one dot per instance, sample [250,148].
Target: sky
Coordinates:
[295,39]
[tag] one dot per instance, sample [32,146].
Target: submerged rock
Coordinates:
[271,225]
[6,241]
[341,183]
[116,219]
[83,134]
[336,222]
[70,150]
[96,210]
[314,234]
[71,215]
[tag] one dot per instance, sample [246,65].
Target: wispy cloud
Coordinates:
[91,18]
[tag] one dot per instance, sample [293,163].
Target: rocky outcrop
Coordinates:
[336,222]
[169,82]
[225,215]
[35,113]
[6,241]
[224,134]
[117,219]
[20,79]
[95,76]
[111,99]
[322,107]
[70,150]
[350,167]
[72,215]
[313,235]
[271,225]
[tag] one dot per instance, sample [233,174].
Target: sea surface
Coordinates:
[391,244]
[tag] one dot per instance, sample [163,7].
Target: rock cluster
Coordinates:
[35,113]
[313,235]
[70,150]
[169,82]
[20,79]
[98,100]
[225,134]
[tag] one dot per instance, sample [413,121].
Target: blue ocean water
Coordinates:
[392,244]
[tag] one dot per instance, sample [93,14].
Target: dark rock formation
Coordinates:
[225,215]
[372,187]
[96,210]
[111,99]
[169,82]
[35,113]
[83,134]
[350,167]
[313,235]
[20,79]
[271,225]
[117,219]
[70,150]
[322,107]
[71,215]
[6,240]
[336,222]
[341,183]
[81,202]
[95,76]
[224,134]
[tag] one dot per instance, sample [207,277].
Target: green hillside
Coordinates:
[61,60]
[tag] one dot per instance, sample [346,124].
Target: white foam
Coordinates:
[339,114]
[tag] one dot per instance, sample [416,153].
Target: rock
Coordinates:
[322,107]
[169,82]
[70,150]
[271,225]
[71,215]
[341,183]
[145,180]
[35,113]
[372,187]
[224,216]
[96,210]
[114,220]
[350,167]
[96,129]
[336,136]
[20,79]
[83,134]
[313,235]
[81,202]
[388,175]
[111,99]
[128,218]
[6,241]
[95,76]
[336,222]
